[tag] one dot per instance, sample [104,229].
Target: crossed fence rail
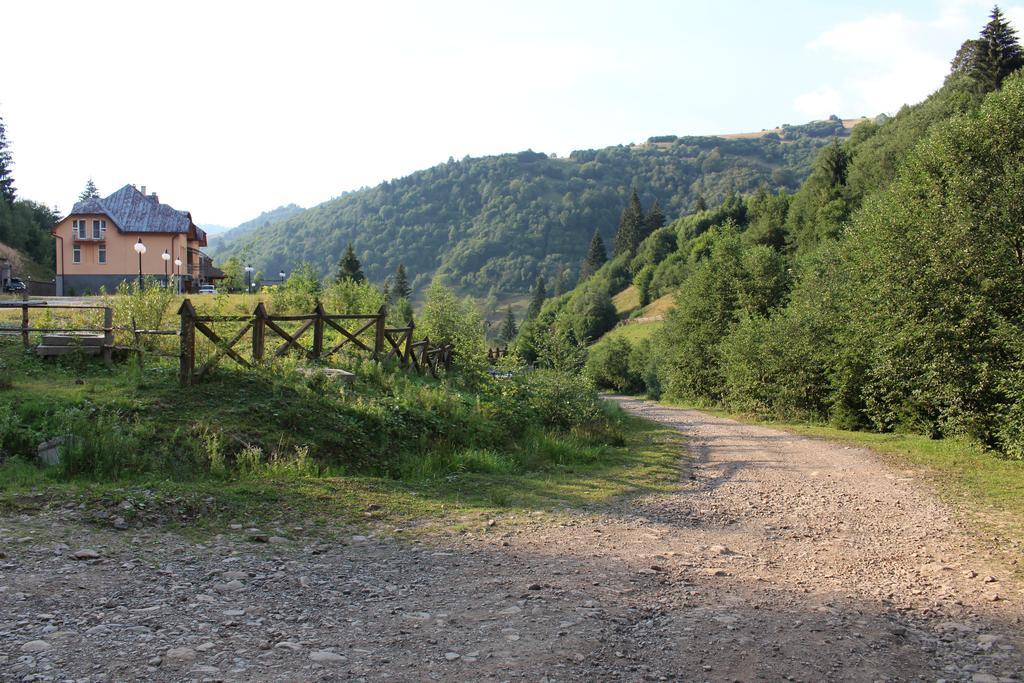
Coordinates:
[319,336]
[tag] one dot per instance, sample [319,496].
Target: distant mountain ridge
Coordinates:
[223,236]
[493,224]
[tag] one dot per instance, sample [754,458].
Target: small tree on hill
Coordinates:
[400,287]
[562,282]
[655,218]
[596,256]
[508,326]
[7,191]
[90,191]
[631,226]
[349,267]
[537,298]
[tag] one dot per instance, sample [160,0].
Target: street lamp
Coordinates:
[177,273]
[282,276]
[166,256]
[248,278]
[140,249]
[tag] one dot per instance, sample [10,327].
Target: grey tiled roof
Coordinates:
[133,211]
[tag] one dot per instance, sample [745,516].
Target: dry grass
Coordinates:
[626,301]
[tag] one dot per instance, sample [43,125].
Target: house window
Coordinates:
[76,254]
[98,228]
[101,254]
[80,228]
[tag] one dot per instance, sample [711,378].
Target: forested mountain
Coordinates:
[887,293]
[225,237]
[493,224]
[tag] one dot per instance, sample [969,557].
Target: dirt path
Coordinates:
[782,558]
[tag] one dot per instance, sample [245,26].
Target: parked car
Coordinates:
[207,289]
[15,285]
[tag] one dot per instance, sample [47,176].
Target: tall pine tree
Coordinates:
[401,288]
[7,191]
[631,226]
[596,256]
[349,267]
[655,218]
[509,329]
[90,191]
[537,298]
[999,53]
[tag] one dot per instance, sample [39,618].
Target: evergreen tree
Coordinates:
[7,191]
[90,191]
[834,162]
[537,298]
[631,226]
[401,287]
[596,257]
[349,267]
[998,55]
[562,283]
[700,204]
[508,326]
[655,218]
[385,291]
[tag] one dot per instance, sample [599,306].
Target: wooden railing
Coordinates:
[368,333]
[319,336]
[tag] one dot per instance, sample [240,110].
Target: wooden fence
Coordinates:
[359,332]
[106,345]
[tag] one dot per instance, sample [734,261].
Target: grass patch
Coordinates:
[251,446]
[634,333]
[626,301]
[546,472]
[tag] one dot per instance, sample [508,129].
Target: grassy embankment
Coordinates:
[248,447]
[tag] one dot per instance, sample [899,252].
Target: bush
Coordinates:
[551,398]
[609,365]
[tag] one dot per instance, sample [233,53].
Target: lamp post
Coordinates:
[177,274]
[282,276]
[166,256]
[140,249]
[248,278]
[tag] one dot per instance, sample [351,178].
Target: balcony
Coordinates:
[89,236]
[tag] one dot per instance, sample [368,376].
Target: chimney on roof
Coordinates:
[143,190]
[156,200]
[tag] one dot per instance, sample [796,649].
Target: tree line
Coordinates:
[886,293]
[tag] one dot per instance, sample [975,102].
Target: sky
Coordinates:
[228,109]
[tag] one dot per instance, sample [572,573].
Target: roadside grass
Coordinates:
[990,487]
[564,473]
[252,447]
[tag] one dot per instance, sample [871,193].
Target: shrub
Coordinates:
[609,365]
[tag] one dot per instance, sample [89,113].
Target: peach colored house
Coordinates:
[96,244]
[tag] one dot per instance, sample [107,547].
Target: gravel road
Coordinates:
[778,558]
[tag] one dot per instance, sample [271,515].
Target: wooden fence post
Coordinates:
[378,342]
[318,331]
[259,332]
[108,336]
[187,361]
[24,325]
[408,345]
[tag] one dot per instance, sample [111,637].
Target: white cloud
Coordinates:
[886,60]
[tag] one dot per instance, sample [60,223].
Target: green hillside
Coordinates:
[220,241]
[886,293]
[493,224]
